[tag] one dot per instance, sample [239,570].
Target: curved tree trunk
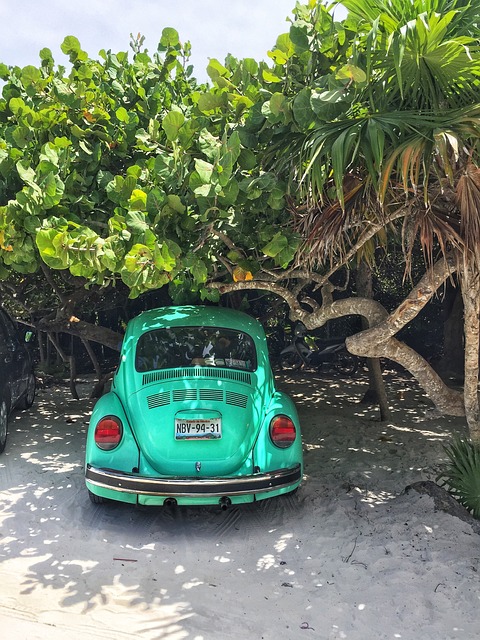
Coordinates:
[83,330]
[378,340]
[447,401]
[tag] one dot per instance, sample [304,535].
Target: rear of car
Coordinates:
[193,416]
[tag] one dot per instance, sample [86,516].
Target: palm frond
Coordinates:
[427,51]
[462,474]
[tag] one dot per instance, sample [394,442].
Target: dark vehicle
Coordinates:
[17,380]
[317,354]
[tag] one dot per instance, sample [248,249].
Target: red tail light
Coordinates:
[282,432]
[108,433]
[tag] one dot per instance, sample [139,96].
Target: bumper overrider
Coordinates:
[191,487]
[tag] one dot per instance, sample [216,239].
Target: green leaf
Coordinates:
[204,190]
[247,159]
[229,193]
[155,200]
[216,70]
[138,200]
[302,109]
[31,75]
[277,244]
[299,38]
[70,45]
[25,171]
[170,37]
[164,259]
[174,204]
[46,55]
[278,104]
[77,132]
[212,295]
[47,243]
[138,256]
[136,220]
[199,271]
[16,105]
[266,182]
[351,72]
[284,43]
[251,66]
[319,98]
[204,170]
[278,56]
[122,114]
[270,77]
[208,102]
[171,124]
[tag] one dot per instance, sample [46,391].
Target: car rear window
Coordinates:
[195,346]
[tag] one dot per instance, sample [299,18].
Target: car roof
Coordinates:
[193,316]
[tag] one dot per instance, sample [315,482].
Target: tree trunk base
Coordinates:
[99,388]
[444,501]
[370,397]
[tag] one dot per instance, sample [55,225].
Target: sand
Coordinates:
[350,555]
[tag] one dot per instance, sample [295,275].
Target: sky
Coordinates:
[244,28]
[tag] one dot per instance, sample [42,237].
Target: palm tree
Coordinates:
[403,147]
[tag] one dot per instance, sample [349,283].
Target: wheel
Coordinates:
[27,399]
[96,499]
[290,361]
[3,424]
[346,363]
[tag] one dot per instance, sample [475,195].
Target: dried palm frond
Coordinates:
[330,230]
[436,226]
[468,202]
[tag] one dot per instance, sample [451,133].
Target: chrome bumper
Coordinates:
[191,487]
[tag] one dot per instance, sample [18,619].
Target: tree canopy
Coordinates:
[272,176]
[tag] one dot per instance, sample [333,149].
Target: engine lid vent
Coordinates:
[197,372]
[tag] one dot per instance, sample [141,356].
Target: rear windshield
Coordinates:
[195,346]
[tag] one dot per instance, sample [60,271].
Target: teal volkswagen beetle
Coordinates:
[193,416]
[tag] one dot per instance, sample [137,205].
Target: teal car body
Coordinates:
[193,416]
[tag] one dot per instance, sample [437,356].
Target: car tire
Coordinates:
[96,499]
[3,424]
[290,361]
[346,364]
[28,397]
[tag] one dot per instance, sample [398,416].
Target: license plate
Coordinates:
[198,429]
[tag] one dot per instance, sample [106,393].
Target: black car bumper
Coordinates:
[183,487]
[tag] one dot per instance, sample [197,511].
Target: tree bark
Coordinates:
[93,357]
[375,380]
[83,330]
[470,282]
[73,370]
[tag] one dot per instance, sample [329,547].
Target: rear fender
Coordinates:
[268,456]
[125,457]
